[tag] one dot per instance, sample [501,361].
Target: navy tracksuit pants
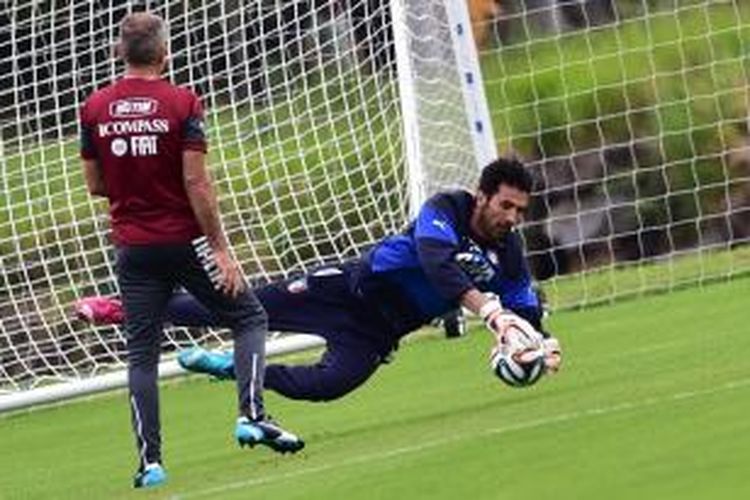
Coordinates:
[147,276]
[320,303]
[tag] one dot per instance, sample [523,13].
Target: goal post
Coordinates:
[442,97]
[310,107]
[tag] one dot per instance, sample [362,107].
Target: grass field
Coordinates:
[652,404]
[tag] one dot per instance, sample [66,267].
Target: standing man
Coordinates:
[143,147]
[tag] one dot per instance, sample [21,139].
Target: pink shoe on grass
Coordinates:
[99,310]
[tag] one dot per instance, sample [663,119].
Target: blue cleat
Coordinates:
[216,363]
[266,432]
[151,475]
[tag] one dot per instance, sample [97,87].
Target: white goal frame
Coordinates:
[478,126]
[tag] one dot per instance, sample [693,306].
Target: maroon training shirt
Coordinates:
[136,129]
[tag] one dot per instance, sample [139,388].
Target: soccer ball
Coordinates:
[518,359]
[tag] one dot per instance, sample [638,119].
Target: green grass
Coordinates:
[652,404]
[624,280]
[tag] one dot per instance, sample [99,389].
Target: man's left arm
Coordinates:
[203,200]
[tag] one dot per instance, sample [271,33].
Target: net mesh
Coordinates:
[631,114]
[305,145]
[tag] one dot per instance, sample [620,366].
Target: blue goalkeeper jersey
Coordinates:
[422,273]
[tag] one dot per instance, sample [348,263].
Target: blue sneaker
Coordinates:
[266,432]
[151,475]
[216,363]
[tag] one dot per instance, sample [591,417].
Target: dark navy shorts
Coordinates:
[320,303]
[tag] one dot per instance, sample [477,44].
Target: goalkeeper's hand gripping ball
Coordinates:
[519,357]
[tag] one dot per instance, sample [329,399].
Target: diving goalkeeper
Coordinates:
[460,247]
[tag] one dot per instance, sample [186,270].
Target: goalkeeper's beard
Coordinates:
[490,230]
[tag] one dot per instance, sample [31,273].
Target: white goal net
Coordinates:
[306,144]
[330,119]
[634,115]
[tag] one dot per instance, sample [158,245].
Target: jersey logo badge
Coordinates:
[133,107]
[119,147]
[440,225]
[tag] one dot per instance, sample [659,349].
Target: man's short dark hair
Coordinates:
[142,36]
[508,171]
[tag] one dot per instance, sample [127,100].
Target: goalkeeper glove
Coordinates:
[496,318]
[552,354]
